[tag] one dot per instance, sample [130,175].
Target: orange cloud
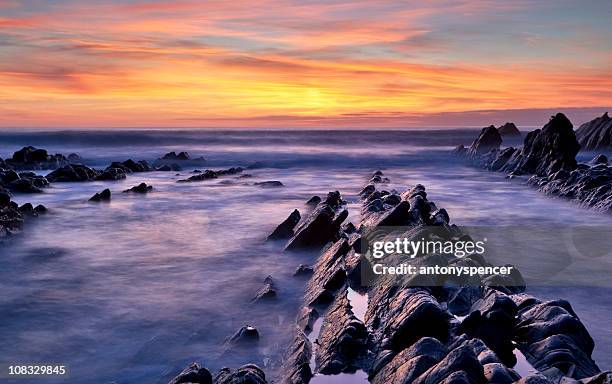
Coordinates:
[268,62]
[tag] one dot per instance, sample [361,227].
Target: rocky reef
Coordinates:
[548,157]
[12,215]
[36,158]
[596,134]
[419,331]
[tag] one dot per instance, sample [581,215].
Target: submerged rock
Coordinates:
[313,201]
[267,292]
[194,373]
[140,188]
[269,184]
[210,174]
[247,374]
[303,270]
[245,336]
[72,173]
[105,195]
[285,229]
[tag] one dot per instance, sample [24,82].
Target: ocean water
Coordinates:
[133,290]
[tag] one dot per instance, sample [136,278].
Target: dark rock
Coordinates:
[73,157]
[409,363]
[285,229]
[461,359]
[269,184]
[169,168]
[342,339]
[194,373]
[245,336]
[26,208]
[210,174]
[111,173]
[550,335]
[303,270]
[5,199]
[267,292]
[599,159]
[313,201]
[596,134]
[508,129]
[34,158]
[319,228]
[492,320]
[105,195]
[140,188]
[24,186]
[548,150]
[460,150]
[40,209]
[487,140]
[72,173]
[247,374]
[297,362]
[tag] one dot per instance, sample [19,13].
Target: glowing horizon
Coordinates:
[288,63]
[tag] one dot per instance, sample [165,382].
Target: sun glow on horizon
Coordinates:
[287,63]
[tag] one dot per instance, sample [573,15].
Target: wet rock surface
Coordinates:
[285,229]
[342,340]
[35,158]
[210,174]
[596,134]
[104,195]
[548,157]
[12,216]
[410,332]
[140,188]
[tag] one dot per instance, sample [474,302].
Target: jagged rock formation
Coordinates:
[34,158]
[12,215]
[24,182]
[210,174]
[548,155]
[285,229]
[410,332]
[596,134]
[488,139]
[508,129]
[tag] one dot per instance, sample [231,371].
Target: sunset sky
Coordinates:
[302,63]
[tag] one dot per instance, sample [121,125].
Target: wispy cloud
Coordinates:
[173,63]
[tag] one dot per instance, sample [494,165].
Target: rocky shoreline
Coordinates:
[412,330]
[548,158]
[415,330]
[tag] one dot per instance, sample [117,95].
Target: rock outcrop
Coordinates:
[596,134]
[12,215]
[285,229]
[488,139]
[548,156]
[508,130]
[105,195]
[140,188]
[210,174]
[34,158]
[410,332]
